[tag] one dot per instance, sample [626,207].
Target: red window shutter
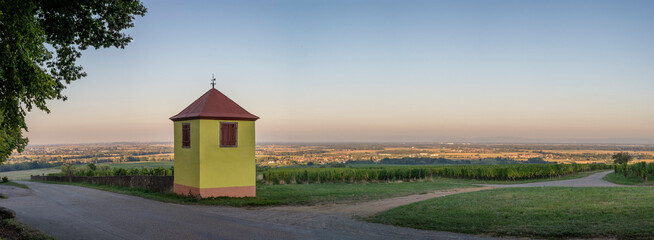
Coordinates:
[233,139]
[222,134]
[235,134]
[186,135]
[228,134]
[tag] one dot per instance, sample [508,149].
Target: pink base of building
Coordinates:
[245,191]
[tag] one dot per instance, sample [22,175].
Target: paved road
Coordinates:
[71,212]
[594,180]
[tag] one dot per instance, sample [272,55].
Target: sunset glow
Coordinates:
[427,71]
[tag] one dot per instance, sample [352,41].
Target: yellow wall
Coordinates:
[212,166]
[186,159]
[226,166]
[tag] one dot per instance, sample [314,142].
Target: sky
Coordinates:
[374,71]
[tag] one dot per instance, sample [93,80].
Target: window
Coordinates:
[228,134]
[186,135]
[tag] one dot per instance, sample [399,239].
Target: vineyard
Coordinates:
[409,173]
[385,173]
[91,170]
[640,169]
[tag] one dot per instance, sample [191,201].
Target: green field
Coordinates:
[25,174]
[629,180]
[549,212]
[320,193]
[302,194]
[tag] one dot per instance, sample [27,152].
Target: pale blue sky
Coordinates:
[374,71]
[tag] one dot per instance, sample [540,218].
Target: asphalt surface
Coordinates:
[71,212]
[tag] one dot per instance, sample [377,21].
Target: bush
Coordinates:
[119,172]
[12,229]
[5,179]
[6,213]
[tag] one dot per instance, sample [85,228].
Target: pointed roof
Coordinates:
[214,105]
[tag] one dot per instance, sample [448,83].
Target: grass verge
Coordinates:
[629,180]
[300,194]
[544,212]
[311,194]
[25,174]
[12,229]
[15,184]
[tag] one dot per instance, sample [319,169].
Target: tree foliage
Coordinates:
[40,40]
[621,158]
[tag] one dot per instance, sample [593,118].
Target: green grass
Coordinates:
[301,194]
[25,174]
[12,229]
[629,180]
[311,194]
[543,212]
[15,184]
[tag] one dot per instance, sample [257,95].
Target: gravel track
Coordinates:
[365,209]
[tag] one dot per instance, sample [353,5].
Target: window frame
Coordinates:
[220,136]
[188,132]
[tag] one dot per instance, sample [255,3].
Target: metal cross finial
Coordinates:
[213,81]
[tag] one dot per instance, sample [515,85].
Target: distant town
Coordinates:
[286,154]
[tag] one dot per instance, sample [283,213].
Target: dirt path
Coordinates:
[370,208]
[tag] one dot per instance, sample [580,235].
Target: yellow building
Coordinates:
[214,148]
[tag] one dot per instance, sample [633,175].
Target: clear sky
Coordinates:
[322,71]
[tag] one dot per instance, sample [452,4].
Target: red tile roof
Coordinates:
[214,105]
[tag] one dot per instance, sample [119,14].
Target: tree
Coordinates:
[621,158]
[92,166]
[537,160]
[40,40]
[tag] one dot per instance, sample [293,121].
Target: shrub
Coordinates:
[133,171]
[119,172]
[103,171]
[5,179]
